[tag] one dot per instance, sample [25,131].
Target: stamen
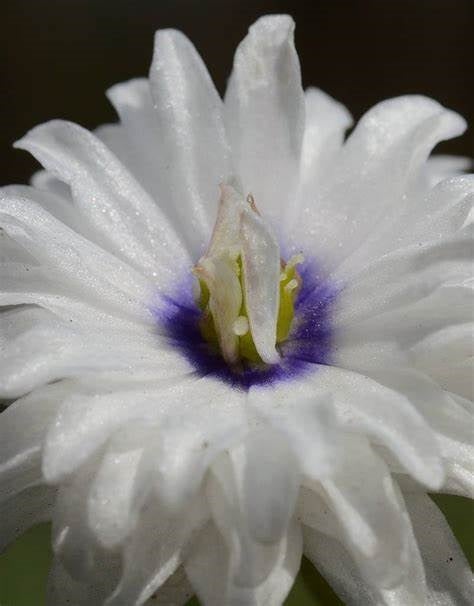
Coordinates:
[292,284]
[241,326]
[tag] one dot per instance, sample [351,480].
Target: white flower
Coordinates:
[184,447]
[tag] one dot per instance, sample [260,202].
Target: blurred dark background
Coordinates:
[59,56]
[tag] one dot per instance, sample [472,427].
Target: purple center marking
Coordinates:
[310,341]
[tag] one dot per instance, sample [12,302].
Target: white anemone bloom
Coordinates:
[201,391]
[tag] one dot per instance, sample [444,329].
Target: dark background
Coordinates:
[59,56]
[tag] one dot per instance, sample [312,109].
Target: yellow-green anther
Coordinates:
[290,283]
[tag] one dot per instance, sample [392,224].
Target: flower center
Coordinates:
[245,292]
[246,317]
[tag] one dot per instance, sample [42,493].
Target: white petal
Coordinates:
[438,215]
[418,219]
[403,277]
[449,576]
[306,420]
[326,122]
[153,553]
[314,512]
[250,561]
[44,180]
[136,140]
[32,284]
[340,570]
[192,152]
[387,417]
[371,514]
[36,347]
[265,113]
[11,251]
[23,426]
[73,542]
[225,301]
[59,206]
[331,559]
[448,356]
[87,418]
[270,483]
[206,567]
[386,340]
[379,164]
[75,259]
[111,515]
[261,274]
[209,569]
[451,423]
[200,423]
[25,509]
[122,213]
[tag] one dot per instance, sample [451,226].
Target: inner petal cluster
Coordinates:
[240,278]
[251,317]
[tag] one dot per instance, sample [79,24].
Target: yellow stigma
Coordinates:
[246,293]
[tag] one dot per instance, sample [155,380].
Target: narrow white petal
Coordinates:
[404,277]
[75,259]
[59,206]
[45,181]
[270,483]
[314,512]
[387,417]
[200,424]
[261,273]
[11,251]
[326,122]
[449,576]
[209,568]
[153,553]
[37,347]
[329,556]
[265,113]
[307,421]
[26,284]
[371,514]
[448,356]
[107,195]
[136,140]
[111,515]
[87,418]
[206,567]
[420,218]
[23,426]
[250,561]
[72,539]
[378,165]
[451,424]
[192,152]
